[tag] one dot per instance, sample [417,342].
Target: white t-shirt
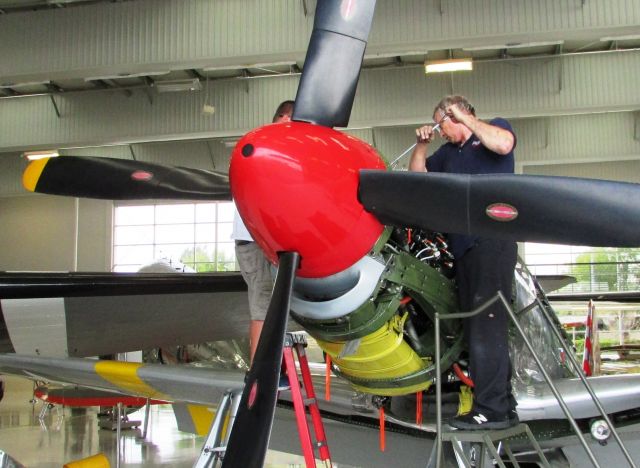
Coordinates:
[239,231]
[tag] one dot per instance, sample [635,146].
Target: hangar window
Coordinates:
[197,235]
[593,269]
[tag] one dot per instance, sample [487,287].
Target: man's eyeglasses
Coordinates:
[438,127]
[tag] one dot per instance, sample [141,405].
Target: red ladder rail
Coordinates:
[300,404]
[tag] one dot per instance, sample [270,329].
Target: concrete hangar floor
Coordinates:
[68,434]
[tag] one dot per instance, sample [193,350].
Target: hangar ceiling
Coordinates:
[78,73]
[519,45]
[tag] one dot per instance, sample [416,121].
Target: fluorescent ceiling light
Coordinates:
[438,66]
[33,155]
[191,84]
[514,45]
[127,75]
[628,37]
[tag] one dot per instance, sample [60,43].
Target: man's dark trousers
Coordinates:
[481,272]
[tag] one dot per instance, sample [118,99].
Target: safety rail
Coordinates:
[513,316]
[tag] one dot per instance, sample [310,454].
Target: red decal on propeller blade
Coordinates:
[142,175]
[502,212]
[253,393]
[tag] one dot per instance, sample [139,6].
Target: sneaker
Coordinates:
[478,421]
[283,383]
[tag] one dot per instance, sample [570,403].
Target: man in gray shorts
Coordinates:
[255,268]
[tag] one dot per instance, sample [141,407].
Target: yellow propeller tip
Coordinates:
[32,173]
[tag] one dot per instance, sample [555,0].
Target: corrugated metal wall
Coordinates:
[110,37]
[454,20]
[622,171]
[579,138]
[11,167]
[388,97]
[541,142]
[98,118]
[520,88]
[172,34]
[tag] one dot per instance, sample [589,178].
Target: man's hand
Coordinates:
[418,159]
[458,114]
[497,139]
[425,134]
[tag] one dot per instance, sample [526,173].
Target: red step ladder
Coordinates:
[298,343]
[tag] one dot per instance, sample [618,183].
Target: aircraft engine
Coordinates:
[367,293]
[375,319]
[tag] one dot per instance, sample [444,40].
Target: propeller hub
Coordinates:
[297,190]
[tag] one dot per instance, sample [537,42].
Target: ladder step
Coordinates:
[305,403]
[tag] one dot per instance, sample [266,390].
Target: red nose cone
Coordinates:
[296,185]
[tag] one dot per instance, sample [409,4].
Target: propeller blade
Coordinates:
[332,65]
[249,438]
[123,179]
[559,210]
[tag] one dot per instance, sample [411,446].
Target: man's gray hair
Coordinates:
[454,99]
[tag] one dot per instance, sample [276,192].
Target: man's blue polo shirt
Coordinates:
[470,158]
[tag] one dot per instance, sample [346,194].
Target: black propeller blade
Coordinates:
[560,210]
[325,96]
[122,179]
[249,439]
[332,65]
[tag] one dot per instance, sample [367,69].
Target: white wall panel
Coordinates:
[37,233]
[579,138]
[196,153]
[157,35]
[364,134]
[393,141]
[11,167]
[621,171]
[385,97]
[111,117]
[521,88]
[115,151]
[95,230]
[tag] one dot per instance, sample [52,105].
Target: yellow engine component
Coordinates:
[465,401]
[379,356]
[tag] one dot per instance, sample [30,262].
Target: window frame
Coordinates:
[225,264]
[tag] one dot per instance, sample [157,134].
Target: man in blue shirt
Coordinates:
[484,266]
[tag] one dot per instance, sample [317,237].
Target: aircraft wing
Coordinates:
[90,314]
[554,282]
[190,389]
[617,393]
[196,385]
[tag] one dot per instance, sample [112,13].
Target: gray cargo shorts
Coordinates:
[256,271]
